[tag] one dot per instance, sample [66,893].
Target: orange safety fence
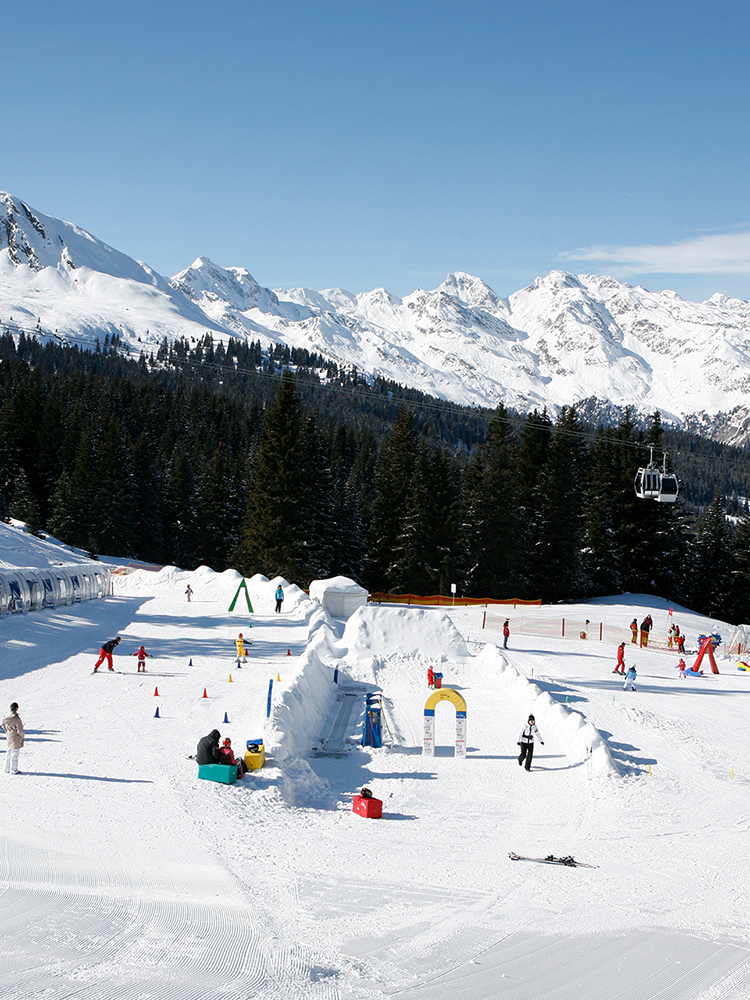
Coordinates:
[441,601]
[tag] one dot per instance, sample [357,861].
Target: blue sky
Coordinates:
[366,144]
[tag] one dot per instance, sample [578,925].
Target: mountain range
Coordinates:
[585,339]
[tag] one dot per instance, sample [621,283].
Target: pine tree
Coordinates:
[711,562]
[393,484]
[275,531]
[555,569]
[492,516]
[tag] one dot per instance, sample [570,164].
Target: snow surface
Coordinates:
[564,339]
[124,876]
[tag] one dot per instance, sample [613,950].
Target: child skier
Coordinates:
[240,644]
[629,684]
[681,666]
[620,665]
[141,654]
[526,742]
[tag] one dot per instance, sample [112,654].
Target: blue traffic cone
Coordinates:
[156,713]
[226,718]
[191,662]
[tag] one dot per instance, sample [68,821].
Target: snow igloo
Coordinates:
[339,596]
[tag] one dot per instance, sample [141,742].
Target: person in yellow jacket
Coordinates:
[240,644]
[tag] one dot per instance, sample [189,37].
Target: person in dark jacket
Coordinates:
[506,632]
[646,626]
[105,653]
[208,749]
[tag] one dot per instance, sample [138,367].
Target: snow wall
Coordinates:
[302,704]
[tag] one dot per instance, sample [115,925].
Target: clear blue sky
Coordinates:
[372,142]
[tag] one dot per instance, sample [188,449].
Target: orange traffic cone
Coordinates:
[278,677]
[230,679]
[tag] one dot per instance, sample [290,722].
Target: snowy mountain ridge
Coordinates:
[564,339]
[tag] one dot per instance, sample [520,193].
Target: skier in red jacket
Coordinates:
[141,654]
[620,665]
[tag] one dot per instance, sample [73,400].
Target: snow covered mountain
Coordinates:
[564,339]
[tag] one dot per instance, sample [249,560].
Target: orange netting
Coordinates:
[440,600]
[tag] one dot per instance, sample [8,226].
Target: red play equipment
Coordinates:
[706,647]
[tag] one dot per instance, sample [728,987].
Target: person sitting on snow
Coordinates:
[629,684]
[228,757]
[208,749]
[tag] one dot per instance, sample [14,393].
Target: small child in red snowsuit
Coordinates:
[141,654]
[430,677]
[226,751]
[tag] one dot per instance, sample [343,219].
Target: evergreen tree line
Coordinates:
[218,454]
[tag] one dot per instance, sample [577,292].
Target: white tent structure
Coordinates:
[51,587]
[339,596]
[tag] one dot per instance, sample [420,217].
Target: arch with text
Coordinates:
[452,696]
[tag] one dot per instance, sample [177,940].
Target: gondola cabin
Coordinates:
[653,483]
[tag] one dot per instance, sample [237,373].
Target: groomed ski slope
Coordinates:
[124,876]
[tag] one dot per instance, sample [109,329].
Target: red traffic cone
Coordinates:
[288,652]
[156,713]
[156,692]
[204,695]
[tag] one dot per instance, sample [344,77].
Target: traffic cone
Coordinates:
[230,679]
[288,652]
[191,662]
[156,692]
[278,677]
[205,695]
[156,713]
[226,718]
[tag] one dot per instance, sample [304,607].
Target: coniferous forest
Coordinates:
[280,462]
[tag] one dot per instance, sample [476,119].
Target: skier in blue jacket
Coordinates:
[279,598]
[629,684]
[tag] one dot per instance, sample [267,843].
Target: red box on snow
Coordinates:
[370,808]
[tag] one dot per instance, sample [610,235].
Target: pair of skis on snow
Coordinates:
[569,862]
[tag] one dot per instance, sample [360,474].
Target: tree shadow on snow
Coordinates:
[89,777]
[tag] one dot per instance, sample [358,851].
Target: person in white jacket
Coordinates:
[526,742]
[14,729]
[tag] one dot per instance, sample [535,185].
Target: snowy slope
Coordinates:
[564,339]
[125,876]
